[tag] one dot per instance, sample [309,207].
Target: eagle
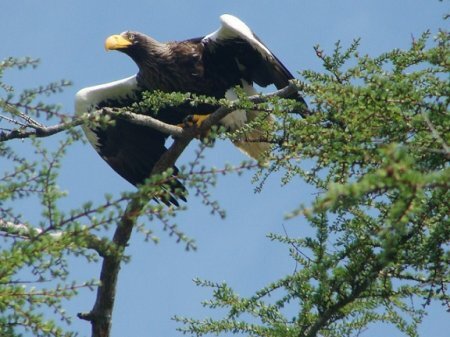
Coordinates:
[213,65]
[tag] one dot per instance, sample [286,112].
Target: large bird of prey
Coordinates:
[212,65]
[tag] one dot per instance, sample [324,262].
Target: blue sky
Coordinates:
[68,37]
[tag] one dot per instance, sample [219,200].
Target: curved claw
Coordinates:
[193,120]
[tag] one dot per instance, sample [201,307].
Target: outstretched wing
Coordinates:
[234,55]
[235,42]
[131,150]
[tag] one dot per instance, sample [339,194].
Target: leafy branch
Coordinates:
[377,150]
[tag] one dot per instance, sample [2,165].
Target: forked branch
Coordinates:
[101,314]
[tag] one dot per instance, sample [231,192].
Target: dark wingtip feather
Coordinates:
[177,192]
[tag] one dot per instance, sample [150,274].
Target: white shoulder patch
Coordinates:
[237,119]
[233,27]
[88,98]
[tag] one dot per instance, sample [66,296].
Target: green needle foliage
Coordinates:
[376,144]
[34,254]
[379,139]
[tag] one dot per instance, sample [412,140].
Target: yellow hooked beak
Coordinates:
[115,42]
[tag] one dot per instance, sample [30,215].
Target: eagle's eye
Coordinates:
[131,37]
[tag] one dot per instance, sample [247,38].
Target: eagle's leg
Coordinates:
[193,120]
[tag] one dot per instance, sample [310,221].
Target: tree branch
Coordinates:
[169,158]
[220,113]
[26,232]
[101,314]
[35,129]
[372,273]
[436,134]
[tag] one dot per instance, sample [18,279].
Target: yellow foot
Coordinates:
[193,120]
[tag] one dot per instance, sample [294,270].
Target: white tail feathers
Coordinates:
[256,150]
[254,143]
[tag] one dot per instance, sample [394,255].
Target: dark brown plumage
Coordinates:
[212,65]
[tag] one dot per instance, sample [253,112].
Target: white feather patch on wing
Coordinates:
[232,27]
[237,119]
[89,99]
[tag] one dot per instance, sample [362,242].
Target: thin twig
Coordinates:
[24,231]
[13,121]
[436,133]
[27,232]
[40,131]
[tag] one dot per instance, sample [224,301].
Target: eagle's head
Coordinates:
[127,42]
[153,58]
[140,47]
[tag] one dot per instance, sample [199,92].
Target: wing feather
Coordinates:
[131,150]
[255,61]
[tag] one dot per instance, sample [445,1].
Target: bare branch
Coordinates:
[101,314]
[144,120]
[13,121]
[40,131]
[35,129]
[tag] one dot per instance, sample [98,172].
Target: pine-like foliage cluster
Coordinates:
[374,143]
